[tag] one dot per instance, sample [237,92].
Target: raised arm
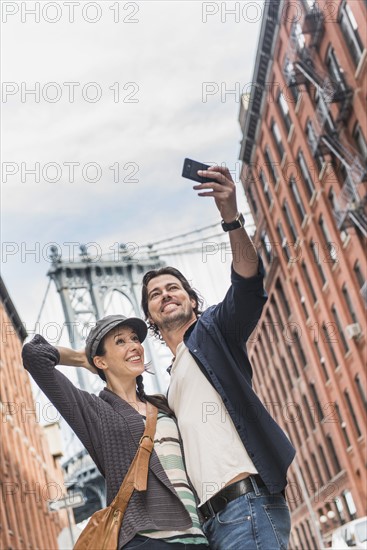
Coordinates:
[245,259]
[74,358]
[241,308]
[79,408]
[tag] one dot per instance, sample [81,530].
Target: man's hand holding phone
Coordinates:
[217,182]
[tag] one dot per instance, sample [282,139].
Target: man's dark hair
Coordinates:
[186,285]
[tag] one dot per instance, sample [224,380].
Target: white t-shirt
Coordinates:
[214,452]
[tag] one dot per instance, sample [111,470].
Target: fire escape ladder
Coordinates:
[313,24]
[347,156]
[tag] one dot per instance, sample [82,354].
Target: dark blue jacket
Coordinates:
[217,342]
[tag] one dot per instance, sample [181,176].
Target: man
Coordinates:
[236,455]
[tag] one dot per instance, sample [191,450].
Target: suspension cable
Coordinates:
[42,305]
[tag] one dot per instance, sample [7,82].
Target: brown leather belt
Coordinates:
[227,494]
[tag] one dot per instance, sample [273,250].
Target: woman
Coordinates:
[110,426]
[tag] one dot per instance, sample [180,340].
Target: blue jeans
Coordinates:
[254,521]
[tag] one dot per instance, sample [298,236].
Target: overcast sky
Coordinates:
[125,91]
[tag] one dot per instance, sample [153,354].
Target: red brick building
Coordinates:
[29,474]
[304,153]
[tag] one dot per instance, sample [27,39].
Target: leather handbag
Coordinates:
[102,531]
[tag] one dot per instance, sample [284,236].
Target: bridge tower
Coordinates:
[91,288]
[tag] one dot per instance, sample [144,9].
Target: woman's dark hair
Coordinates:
[158,400]
[186,285]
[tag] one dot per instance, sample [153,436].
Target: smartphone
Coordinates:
[190,169]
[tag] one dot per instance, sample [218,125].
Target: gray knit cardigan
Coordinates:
[110,429]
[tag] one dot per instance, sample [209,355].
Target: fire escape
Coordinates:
[325,136]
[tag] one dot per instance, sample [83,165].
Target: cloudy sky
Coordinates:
[122,93]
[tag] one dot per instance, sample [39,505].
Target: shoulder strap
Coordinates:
[137,475]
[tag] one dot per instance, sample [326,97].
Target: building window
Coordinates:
[293,361]
[296,433]
[325,118]
[340,328]
[263,365]
[352,413]
[302,299]
[300,416]
[264,352]
[299,348]
[324,462]
[284,111]
[322,360]
[283,298]
[340,510]
[335,209]
[274,326]
[286,372]
[281,383]
[277,138]
[310,188]
[360,277]
[335,70]
[271,165]
[316,467]
[252,199]
[333,455]
[307,408]
[315,251]
[315,397]
[289,219]
[331,246]
[277,313]
[308,543]
[297,200]
[349,28]
[312,138]
[258,363]
[312,538]
[311,482]
[342,425]
[349,303]
[275,389]
[309,282]
[269,332]
[313,141]
[266,245]
[9,526]
[265,187]
[360,141]
[283,241]
[328,341]
[361,391]
[288,71]
[351,507]
[264,348]
[298,539]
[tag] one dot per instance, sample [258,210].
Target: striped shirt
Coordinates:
[168,448]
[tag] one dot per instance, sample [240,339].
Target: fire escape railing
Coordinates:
[301,69]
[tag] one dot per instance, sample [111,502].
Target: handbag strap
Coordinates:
[137,475]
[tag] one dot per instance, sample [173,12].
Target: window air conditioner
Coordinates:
[353,331]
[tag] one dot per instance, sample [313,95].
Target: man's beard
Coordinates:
[175,322]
